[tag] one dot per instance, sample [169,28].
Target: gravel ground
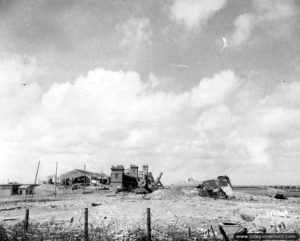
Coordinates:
[178,208]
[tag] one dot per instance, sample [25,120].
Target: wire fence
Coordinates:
[147,228]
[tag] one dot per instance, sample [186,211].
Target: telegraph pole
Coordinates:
[37,171]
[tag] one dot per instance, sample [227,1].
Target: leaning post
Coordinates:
[223,233]
[212,229]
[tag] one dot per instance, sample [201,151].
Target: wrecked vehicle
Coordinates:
[148,184]
[216,188]
[276,193]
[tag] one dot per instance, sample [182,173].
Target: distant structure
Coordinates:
[16,189]
[122,178]
[135,180]
[80,176]
[127,178]
[26,189]
[9,189]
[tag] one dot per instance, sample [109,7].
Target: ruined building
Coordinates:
[127,178]
[133,179]
[84,177]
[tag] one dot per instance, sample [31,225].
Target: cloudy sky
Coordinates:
[194,88]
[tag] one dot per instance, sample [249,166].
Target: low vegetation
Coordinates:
[39,232]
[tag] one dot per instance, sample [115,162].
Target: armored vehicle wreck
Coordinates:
[216,188]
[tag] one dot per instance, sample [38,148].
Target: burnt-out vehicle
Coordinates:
[216,188]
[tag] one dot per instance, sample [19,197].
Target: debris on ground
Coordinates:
[96,204]
[276,193]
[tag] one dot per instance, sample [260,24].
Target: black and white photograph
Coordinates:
[155,120]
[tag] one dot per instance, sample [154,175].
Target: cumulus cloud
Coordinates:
[216,117]
[266,12]
[280,119]
[194,13]
[214,90]
[108,117]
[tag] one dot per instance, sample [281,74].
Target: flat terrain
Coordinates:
[261,190]
[177,207]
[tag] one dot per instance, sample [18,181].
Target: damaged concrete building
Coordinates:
[78,176]
[132,178]
[126,178]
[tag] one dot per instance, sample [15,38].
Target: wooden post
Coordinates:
[26,221]
[55,181]
[86,224]
[148,224]
[212,229]
[223,233]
